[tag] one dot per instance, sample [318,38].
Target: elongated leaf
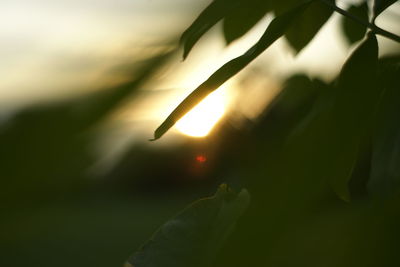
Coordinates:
[308,25]
[216,11]
[243,18]
[274,31]
[194,236]
[356,101]
[380,6]
[354,31]
[385,165]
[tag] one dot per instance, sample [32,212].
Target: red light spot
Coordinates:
[201,158]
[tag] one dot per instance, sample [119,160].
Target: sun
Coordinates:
[199,121]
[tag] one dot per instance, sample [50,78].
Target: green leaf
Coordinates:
[296,92]
[380,6]
[385,167]
[336,128]
[195,235]
[281,7]
[359,66]
[243,18]
[355,104]
[275,30]
[308,25]
[216,11]
[354,31]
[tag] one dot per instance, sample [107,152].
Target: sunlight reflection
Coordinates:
[202,118]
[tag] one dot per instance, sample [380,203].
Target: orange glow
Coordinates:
[201,158]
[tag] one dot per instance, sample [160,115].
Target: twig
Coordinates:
[371,26]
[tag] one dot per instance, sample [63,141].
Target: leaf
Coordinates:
[385,167]
[355,104]
[297,93]
[354,31]
[194,236]
[274,31]
[216,11]
[281,7]
[243,18]
[360,65]
[335,129]
[308,25]
[380,6]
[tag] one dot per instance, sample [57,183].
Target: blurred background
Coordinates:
[83,86]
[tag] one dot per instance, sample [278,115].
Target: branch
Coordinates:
[371,26]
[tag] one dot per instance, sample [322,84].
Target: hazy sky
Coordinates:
[49,45]
[55,48]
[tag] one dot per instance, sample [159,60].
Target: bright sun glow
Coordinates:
[201,119]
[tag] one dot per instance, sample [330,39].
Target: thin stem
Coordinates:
[371,26]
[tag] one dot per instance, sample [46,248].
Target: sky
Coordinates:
[49,46]
[52,49]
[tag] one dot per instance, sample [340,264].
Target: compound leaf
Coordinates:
[275,30]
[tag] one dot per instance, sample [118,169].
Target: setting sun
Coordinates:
[201,119]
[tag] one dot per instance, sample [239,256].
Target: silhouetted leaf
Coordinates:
[275,30]
[336,127]
[243,18]
[194,236]
[282,6]
[307,26]
[352,30]
[360,65]
[380,6]
[297,92]
[355,104]
[385,166]
[216,11]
